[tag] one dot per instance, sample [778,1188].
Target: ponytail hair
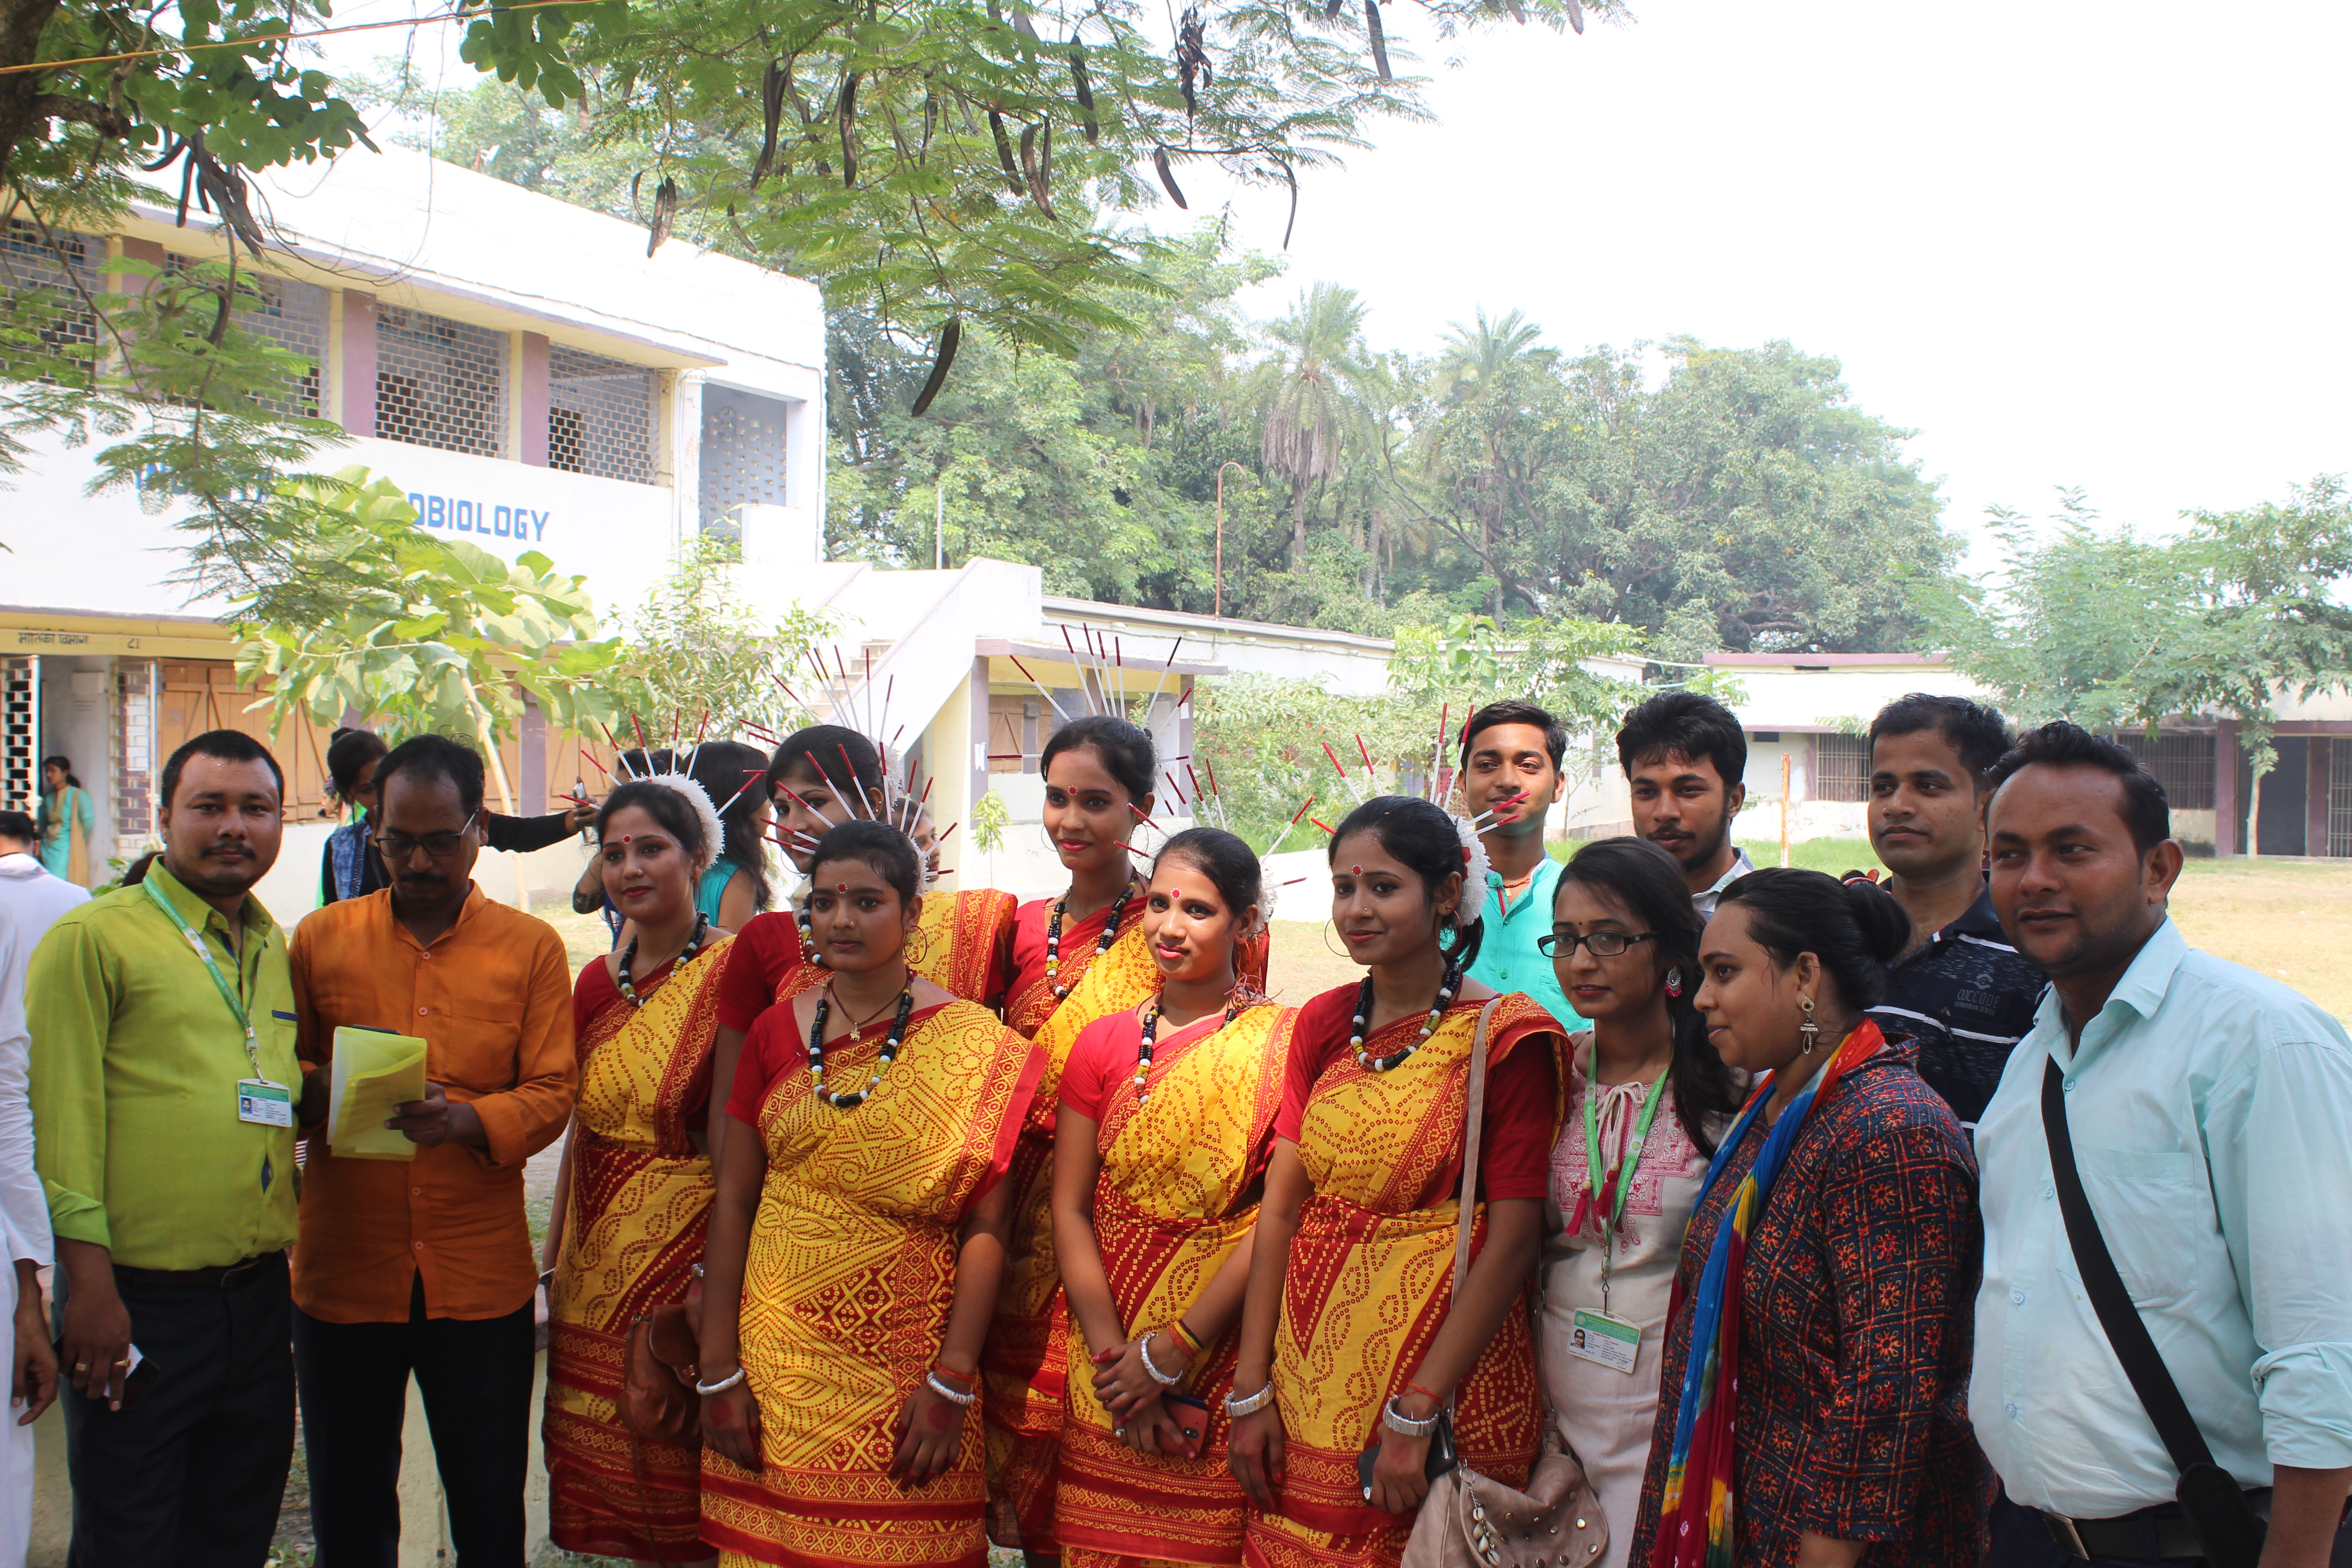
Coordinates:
[1421,837]
[1855,929]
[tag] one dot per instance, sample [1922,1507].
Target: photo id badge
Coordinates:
[1598,1337]
[265,1103]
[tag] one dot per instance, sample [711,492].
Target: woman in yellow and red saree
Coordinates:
[633,1193]
[1351,1339]
[1166,1124]
[855,1246]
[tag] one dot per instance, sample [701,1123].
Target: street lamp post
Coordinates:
[1220,609]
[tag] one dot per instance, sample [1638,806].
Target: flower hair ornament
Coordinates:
[1476,868]
[697,800]
[668,767]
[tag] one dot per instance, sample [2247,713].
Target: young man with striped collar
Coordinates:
[1961,991]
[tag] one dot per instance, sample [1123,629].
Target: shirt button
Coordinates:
[418,1245]
[2048,1190]
[417,1191]
[422,1011]
[2010,1411]
[2017,1298]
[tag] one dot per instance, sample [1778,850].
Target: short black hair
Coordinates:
[348,752]
[1697,727]
[887,852]
[1979,733]
[17,825]
[2146,811]
[1225,858]
[435,756]
[1125,750]
[225,745]
[1514,710]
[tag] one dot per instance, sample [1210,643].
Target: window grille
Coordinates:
[133,747]
[2182,764]
[26,263]
[1843,763]
[293,315]
[742,457]
[20,734]
[2340,798]
[600,415]
[439,383]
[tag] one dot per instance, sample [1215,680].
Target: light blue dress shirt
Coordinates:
[1509,959]
[2212,1115]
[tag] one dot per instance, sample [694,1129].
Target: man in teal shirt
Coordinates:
[1511,757]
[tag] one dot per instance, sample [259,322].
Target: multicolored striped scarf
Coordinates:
[1695,1523]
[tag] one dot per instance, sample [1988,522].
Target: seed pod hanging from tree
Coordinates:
[1013,179]
[1380,41]
[1086,126]
[1038,164]
[664,213]
[949,336]
[1166,178]
[848,111]
[772,113]
[1192,57]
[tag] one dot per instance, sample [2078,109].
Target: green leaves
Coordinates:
[363,611]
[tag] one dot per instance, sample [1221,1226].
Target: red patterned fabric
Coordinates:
[1858,1300]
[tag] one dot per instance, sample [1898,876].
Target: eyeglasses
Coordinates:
[398,846]
[1599,943]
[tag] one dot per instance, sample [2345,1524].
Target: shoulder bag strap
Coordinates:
[2133,1346]
[1473,1135]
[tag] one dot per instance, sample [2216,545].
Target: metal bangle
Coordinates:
[721,1386]
[1235,1408]
[1151,1368]
[1404,1425]
[950,1394]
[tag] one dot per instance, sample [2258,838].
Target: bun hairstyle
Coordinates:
[1854,928]
[1125,749]
[729,772]
[666,807]
[1230,865]
[879,846]
[1648,882]
[820,749]
[1423,838]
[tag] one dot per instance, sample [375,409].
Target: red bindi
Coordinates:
[1355,870]
[841,887]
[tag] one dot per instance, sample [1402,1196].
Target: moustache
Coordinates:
[420,878]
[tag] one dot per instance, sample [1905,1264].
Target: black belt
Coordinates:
[228,1277]
[2150,1534]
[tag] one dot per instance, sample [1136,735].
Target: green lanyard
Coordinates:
[243,1020]
[1628,1158]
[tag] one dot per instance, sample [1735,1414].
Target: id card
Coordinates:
[265,1103]
[1611,1341]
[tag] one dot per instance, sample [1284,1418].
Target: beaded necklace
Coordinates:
[1445,990]
[1151,1033]
[882,1064]
[629,957]
[1103,945]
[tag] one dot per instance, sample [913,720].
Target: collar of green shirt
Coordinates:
[2134,999]
[202,916]
[1540,881]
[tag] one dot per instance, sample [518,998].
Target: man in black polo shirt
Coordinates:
[1960,990]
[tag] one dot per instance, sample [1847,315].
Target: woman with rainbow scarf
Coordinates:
[1814,1398]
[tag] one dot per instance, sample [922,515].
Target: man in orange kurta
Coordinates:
[425,1266]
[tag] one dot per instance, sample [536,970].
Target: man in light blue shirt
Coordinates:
[2210,1113]
[1511,757]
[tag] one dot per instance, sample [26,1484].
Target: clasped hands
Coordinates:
[1139,1416]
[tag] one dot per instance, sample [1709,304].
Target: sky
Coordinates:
[2087,245]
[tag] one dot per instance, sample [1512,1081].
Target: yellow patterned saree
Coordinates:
[1181,1177]
[634,1223]
[963,944]
[848,1284]
[1370,1280]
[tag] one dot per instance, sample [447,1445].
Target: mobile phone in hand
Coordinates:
[1191,1414]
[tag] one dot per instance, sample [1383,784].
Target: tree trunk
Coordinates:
[2254,818]
[1298,524]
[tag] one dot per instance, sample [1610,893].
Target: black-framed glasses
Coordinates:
[396,846]
[1599,943]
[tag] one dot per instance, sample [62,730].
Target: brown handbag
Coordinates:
[1470,1521]
[659,1373]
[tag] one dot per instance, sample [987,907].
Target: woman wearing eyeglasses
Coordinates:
[1648,1098]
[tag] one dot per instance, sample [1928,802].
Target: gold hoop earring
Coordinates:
[1330,931]
[1808,1031]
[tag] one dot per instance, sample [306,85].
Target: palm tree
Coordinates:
[1478,388]
[1307,395]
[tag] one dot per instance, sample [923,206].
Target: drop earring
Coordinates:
[1675,982]
[1808,1031]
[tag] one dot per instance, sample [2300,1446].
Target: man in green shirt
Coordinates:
[1512,753]
[162,1060]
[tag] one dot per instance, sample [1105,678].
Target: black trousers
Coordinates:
[476,1378]
[191,1476]
[2019,1540]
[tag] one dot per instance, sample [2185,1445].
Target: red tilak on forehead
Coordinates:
[1355,870]
[841,887]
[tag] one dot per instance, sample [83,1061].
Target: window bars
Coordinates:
[742,457]
[28,263]
[439,383]
[600,415]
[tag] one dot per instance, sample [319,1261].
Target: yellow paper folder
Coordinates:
[374,1075]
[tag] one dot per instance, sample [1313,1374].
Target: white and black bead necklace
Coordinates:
[808,942]
[890,1044]
[1151,1033]
[1102,944]
[629,957]
[1445,990]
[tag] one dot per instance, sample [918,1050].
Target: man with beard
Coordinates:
[2208,1112]
[425,1266]
[164,1072]
[1960,990]
[1685,757]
